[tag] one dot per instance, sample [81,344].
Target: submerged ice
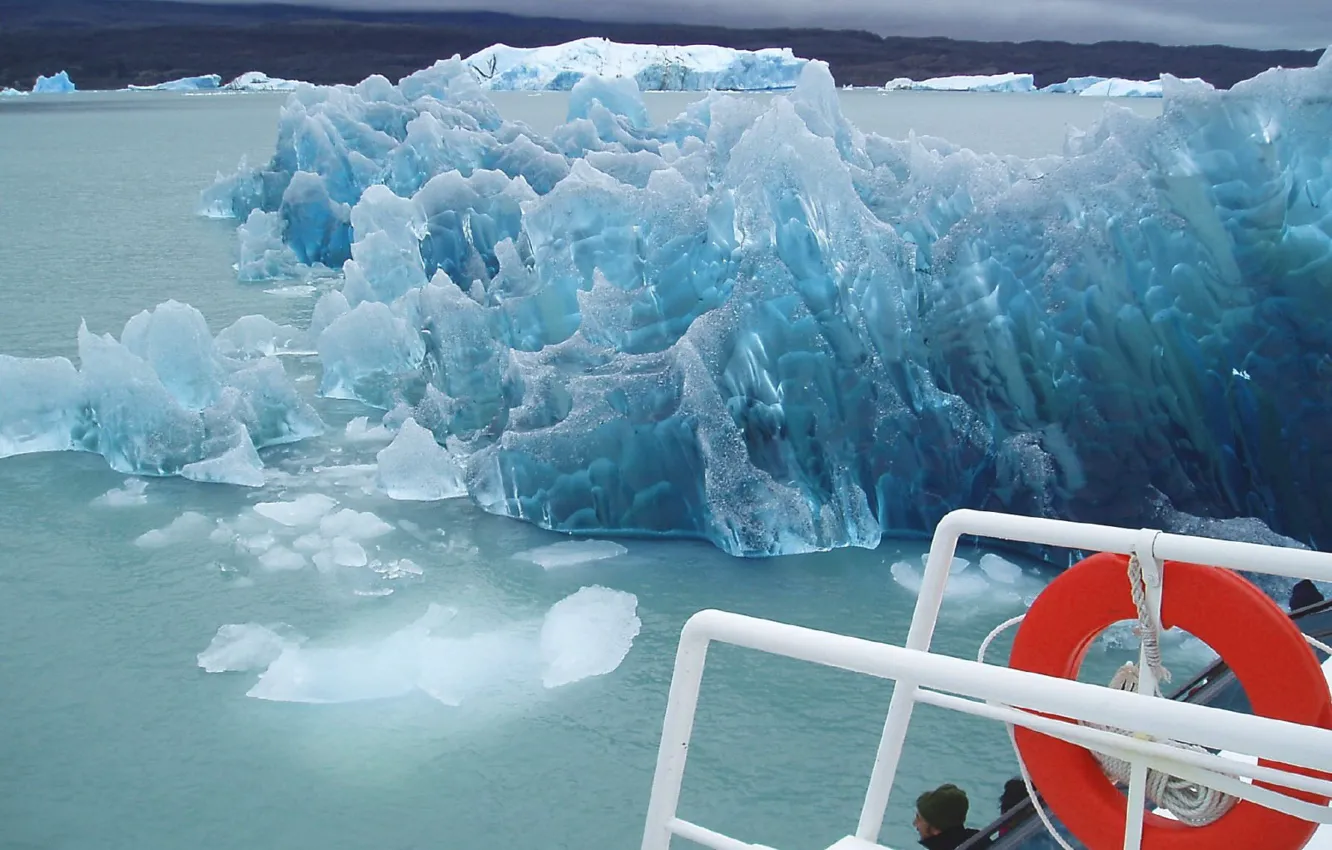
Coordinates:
[759,326]
[586,634]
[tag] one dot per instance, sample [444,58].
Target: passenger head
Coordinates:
[1014,793]
[941,810]
[1304,594]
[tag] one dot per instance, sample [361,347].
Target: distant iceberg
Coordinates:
[206,82]
[976,83]
[59,84]
[1073,85]
[653,67]
[1116,87]
[253,81]
[8,92]
[758,326]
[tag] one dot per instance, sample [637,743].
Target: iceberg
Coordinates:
[208,82]
[1118,87]
[977,83]
[587,634]
[58,84]
[416,468]
[254,81]
[697,67]
[239,647]
[8,92]
[161,401]
[1073,85]
[758,326]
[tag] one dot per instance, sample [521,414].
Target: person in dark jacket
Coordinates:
[1304,594]
[1015,794]
[941,818]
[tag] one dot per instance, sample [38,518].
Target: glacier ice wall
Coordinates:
[653,67]
[163,400]
[758,326]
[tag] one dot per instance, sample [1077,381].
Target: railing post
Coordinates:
[923,621]
[677,727]
[1137,805]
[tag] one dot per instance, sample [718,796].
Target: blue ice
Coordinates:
[162,400]
[759,326]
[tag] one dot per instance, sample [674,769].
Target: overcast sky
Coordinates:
[1250,23]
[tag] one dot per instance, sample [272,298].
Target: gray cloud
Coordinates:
[1270,24]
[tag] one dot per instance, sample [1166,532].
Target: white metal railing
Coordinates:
[987,690]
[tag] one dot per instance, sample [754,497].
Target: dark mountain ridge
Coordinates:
[109,44]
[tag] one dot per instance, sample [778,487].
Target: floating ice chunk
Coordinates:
[360,430]
[961,582]
[39,405]
[248,646]
[188,526]
[205,82]
[572,552]
[258,336]
[416,468]
[301,511]
[295,290]
[997,581]
[353,525]
[58,84]
[367,353]
[330,306]
[132,493]
[587,634]
[163,400]
[338,675]
[262,253]
[456,670]
[239,465]
[258,81]
[359,476]
[282,558]
[257,544]
[174,340]
[959,564]
[973,83]
[311,542]
[1119,87]
[1073,85]
[340,552]
[397,569]
[1000,570]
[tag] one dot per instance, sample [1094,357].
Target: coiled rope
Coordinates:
[1191,803]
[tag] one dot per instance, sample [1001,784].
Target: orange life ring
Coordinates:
[1280,674]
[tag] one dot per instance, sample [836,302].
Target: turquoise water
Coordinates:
[112,736]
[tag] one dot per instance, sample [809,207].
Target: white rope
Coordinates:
[1012,738]
[1193,804]
[1147,630]
[1318,644]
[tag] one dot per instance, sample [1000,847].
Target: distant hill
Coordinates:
[109,44]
